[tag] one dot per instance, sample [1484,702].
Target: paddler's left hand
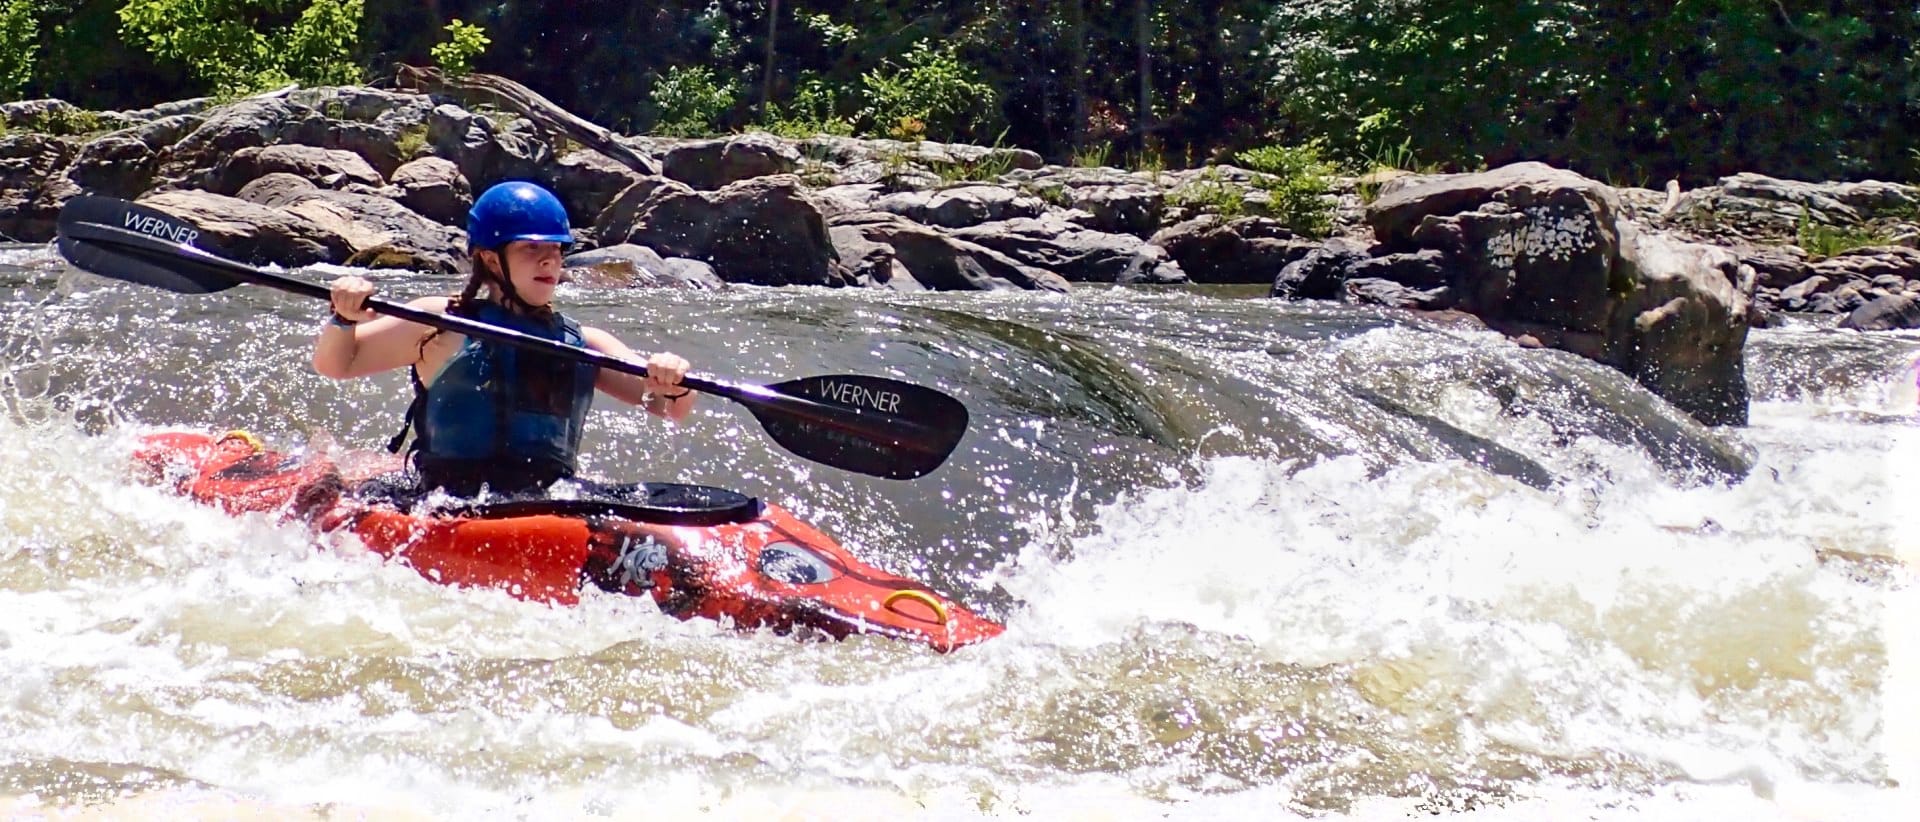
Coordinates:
[664,373]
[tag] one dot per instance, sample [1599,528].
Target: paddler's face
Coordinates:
[535,269]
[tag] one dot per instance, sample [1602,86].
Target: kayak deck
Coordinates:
[696,551]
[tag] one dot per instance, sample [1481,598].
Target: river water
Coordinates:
[1257,560]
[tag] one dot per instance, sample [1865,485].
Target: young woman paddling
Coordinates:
[486,414]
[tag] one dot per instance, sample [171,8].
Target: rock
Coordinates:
[486,153]
[1321,275]
[251,232]
[763,231]
[707,165]
[1776,266]
[123,163]
[962,206]
[435,189]
[1078,254]
[1794,297]
[325,167]
[372,232]
[1248,250]
[871,264]
[588,181]
[1891,313]
[1867,264]
[1546,252]
[1375,291]
[946,263]
[634,266]
[30,198]
[1423,269]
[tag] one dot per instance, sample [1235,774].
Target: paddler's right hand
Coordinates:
[349,295]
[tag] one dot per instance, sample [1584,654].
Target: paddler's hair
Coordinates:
[462,304]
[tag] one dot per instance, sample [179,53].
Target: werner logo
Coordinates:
[156,227]
[847,393]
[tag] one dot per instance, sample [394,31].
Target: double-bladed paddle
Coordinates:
[871,425]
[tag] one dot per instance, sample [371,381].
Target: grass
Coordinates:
[1821,240]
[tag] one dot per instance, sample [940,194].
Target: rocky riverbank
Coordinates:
[1660,284]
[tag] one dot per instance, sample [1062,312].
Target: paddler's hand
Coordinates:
[664,373]
[349,295]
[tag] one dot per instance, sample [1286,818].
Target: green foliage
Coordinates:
[934,88]
[1612,88]
[464,42]
[1298,181]
[1095,155]
[1208,192]
[412,142]
[19,43]
[1821,240]
[988,167]
[244,46]
[692,102]
[812,111]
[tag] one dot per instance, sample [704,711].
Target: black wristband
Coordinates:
[682,393]
[343,322]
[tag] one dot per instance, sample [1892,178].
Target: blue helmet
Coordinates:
[517,211]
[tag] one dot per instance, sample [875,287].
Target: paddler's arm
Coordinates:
[371,344]
[660,392]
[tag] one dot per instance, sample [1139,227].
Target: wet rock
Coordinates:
[29,197]
[1890,313]
[872,264]
[1541,251]
[1076,253]
[763,231]
[634,266]
[1321,275]
[948,263]
[1247,250]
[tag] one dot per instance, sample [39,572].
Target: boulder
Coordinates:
[435,189]
[633,266]
[1076,253]
[707,165]
[1247,250]
[947,263]
[962,206]
[324,167]
[1543,252]
[763,231]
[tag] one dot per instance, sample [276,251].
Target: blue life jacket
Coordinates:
[500,415]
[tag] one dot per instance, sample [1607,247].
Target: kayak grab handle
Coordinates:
[245,437]
[922,597]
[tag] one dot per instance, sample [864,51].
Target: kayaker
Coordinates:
[519,433]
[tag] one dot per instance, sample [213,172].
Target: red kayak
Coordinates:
[697,551]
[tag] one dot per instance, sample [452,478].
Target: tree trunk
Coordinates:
[1077,21]
[766,83]
[1143,49]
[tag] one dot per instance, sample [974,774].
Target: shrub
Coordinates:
[691,102]
[1207,192]
[464,42]
[1298,181]
[223,48]
[935,89]
[19,40]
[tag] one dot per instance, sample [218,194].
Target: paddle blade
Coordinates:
[898,430]
[84,245]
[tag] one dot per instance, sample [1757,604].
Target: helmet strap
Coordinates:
[511,297]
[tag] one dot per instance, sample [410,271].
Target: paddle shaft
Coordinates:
[752,395]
